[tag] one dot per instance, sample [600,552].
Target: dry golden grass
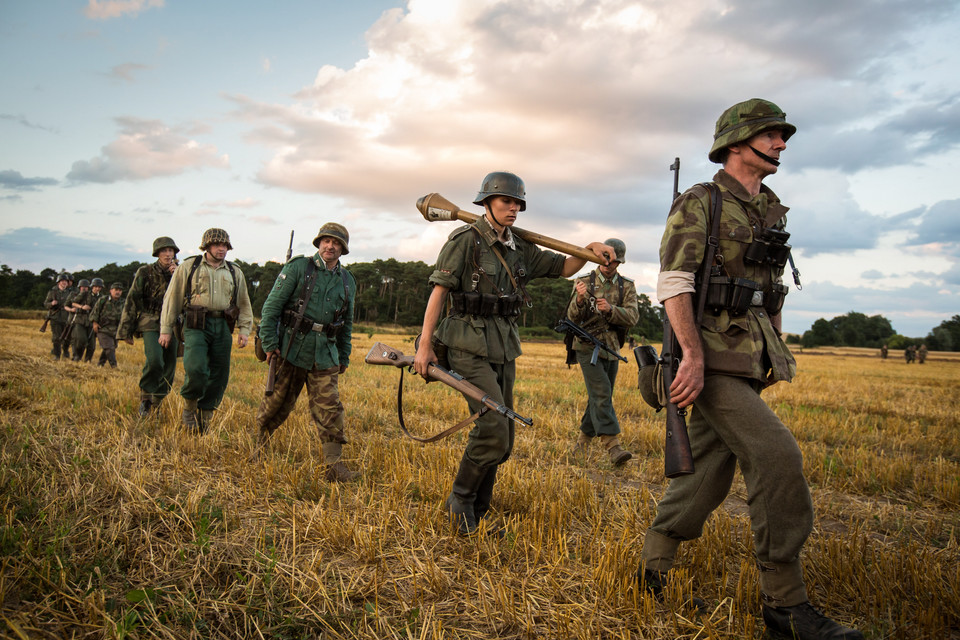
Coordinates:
[119,528]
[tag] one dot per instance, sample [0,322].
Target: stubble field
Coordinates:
[114,527]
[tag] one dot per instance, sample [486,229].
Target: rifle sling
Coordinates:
[713,241]
[437,436]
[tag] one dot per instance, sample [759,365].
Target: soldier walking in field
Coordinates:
[734,353]
[483,268]
[307,323]
[884,350]
[80,304]
[212,294]
[141,319]
[910,353]
[922,354]
[106,320]
[604,303]
[55,303]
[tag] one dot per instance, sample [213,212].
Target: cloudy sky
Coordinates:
[123,120]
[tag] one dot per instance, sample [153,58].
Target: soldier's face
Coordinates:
[769,143]
[63,284]
[330,249]
[165,256]
[504,209]
[609,270]
[96,289]
[218,250]
[115,293]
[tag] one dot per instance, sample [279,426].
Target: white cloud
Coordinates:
[147,149]
[107,9]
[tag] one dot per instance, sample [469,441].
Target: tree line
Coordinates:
[858,330]
[388,292]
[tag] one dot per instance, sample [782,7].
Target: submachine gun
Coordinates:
[568,326]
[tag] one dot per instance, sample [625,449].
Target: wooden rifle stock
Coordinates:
[271,377]
[43,327]
[381,354]
[677,456]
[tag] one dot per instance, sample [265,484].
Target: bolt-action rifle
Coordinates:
[68,330]
[53,311]
[272,371]
[568,326]
[382,354]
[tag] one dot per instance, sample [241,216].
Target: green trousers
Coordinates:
[159,367]
[491,439]
[599,418]
[729,425]
[206,363]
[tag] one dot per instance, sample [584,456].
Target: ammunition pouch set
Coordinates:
[770,247]
[307,325]
[474,303]
[736,295]
[195,316]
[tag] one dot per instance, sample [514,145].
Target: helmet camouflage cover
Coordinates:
[164,242]
[619,248]
[96,282]
[215,236]
[336,231]
[502,183]
[117,285]
[746,119]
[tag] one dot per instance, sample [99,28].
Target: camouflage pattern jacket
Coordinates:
[55,293]
[107,314]
[494,338]
[78,299]
[625,312]
[141,310]
[311,349]
[748,345]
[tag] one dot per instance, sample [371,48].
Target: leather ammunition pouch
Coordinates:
[474,303]
[194,316]
[769,246]
[773,299]
[733,295]
[230,314]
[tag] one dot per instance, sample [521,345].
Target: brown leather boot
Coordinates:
[582,445]
[205,419]
[191,421]
[617,454]
[337,471]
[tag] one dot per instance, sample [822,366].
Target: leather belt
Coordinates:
[214,314]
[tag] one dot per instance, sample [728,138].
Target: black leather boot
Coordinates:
[485,493]
[461,502]
[654,582]
[804,622]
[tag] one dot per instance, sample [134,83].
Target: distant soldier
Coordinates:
[80,304]
[212,294]
[141,318]
[604,303]
[922,354]
[910,353]
[106,320]
[55,303]
[96,294]
[883,352]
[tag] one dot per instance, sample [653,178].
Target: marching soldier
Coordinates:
[316,345]
[141,319]
[605,304]
[55,303]
[80,304]
[106,320]
[212,294]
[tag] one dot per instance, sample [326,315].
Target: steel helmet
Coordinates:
[84,283]
[63,277]
[335,231]
[96,282]
[215,236]
[502,183]
[164,242]
[619,248]
[744,120]
[117,285]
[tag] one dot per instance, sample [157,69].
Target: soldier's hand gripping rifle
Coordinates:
[67,330]
[53,311]
[272,370]
[434,207]
[568,326]
[382,354]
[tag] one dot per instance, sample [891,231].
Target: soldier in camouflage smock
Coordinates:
[481,333]
[319,352]
[106,320]
[80,304]
[55,303]
[727,360]
[141,318]
[604,303]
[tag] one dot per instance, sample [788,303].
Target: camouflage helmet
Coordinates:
[744,120]
[84,283]
[63,277]
[335,231]
[164,242]
[619,249]
[502,183]
[96,282]
[215,236]
[117,285]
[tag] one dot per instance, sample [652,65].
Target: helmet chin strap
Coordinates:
[765,157]
[492,215]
